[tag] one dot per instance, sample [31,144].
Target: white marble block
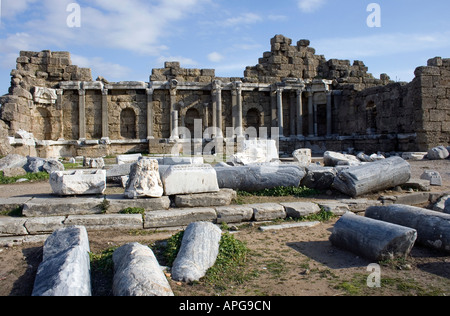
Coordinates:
[79,182]
[188,179]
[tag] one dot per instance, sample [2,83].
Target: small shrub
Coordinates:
[173,247]
[133,210]
[282,191]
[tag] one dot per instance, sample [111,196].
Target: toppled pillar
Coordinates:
[138,273]
[372,239]
[433,228]
[198,252]
[65,268]
[375,176]
[259,177]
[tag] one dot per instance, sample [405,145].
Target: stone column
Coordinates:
[173,84]
[280,110]
[150,113]
[82,114]
[174,123]
[59,107]
[310,114]
[329,112]
[105,129]
[316,127]
[217,107]
[299,113]
[237,108]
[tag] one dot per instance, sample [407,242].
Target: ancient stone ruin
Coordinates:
[298,96]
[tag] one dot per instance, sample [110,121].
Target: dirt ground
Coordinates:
[291,262]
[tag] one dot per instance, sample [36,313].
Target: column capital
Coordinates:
[81,92]
[217,85]
[105,91]
[173,84]
[150,91]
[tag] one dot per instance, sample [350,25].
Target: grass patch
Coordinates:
[281,191]
[322,216]
[230,265]
[173,246]
[103,261]
[32,177]
[17,212]
[70,166]
[133,210]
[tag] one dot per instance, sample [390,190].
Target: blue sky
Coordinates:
[124,40]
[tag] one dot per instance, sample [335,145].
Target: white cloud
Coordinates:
[139,26]
[277,18]
[215,57]
[309,6]
[10,8]
[381,44]
[102,68]
[243,19]
[184,61]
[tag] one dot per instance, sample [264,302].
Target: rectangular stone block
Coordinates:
[299,209]
[12,226]
[44,225]
[178,217]
[106,221]
[190,179]
[127,159]
[53,206]
[79,182]
[221,198]
[268,211]
[234,214]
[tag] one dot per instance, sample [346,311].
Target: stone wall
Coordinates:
[313,102]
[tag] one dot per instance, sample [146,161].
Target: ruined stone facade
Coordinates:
[301,97]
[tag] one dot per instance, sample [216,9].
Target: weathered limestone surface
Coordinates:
[289,226]
[198,252]
[144,180]
[438,153]
[106,221]
[433,228]
[256,178]
[126,159]
[188,179]
[221,198]
[268,211]
[178,217]
[234,214]
[78,182]
[331,159]
[65,268]
[373,239]
[138,273]
[302,156]
[300,209]
[319,178]
[374,176]
[51,206]
[256,151]
[12,226]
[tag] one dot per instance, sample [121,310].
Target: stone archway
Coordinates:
[189,120]
[252,122]
[371,117]
[43,125]
[128,124]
